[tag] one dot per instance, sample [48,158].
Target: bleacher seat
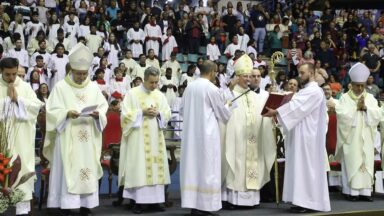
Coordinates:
[223,59]
[180,58]
[203,50]
[192,58]
[184,67]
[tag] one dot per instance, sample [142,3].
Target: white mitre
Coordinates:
[80,57]
[359,73]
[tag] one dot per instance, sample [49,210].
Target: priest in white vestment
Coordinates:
[358,116]
[143,165]
[20,106]
[74,137]
[248,160]
[202,107]
[304,125]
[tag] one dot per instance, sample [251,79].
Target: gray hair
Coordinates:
[308,54]
[151,71]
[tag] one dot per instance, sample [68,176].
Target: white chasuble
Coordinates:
[21,121]
[76,141]
[248,160]
[143,162]
[356,131]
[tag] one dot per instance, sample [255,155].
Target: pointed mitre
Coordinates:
[243,65]
[80,57]
[359,73]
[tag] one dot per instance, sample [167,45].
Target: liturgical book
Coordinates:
[276,100]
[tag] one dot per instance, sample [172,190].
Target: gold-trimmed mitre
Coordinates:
[243,65]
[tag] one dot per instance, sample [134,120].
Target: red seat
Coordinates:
[331,134]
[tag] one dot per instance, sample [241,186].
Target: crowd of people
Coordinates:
[144,56]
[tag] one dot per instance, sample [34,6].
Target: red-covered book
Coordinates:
[276,100]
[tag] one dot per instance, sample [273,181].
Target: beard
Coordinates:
[304,82]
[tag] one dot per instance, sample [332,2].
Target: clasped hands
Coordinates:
[361,104]
[12,93]
[151,112]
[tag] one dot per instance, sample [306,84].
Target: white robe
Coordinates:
[18,29]
[53,31]
[46,57]
[356,133]
[304,125]
[243,42]
[136,48]
[120,87]
[143,166]
[58,64]
[176,70]
[73,31]
[73,146]
[249,150]
[231,48]
[21,119]
[213,52]
[130,64]
[32,28]
[113,56]
[170,94]
[152,31]
[168,47]
[84,30]
[138,71]
[200,161]
[93,42]
[21,55]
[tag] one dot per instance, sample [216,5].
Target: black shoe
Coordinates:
[366,198]
[65,212]
[229,206]
[137,209]
[197,212]
[157,208]
[352,198]
[85,211]
[298,209]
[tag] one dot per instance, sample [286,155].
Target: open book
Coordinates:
[88,110]
[276,100]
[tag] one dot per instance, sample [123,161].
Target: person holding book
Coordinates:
[304,125]
[358,116]
[74,138]
[248,157]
